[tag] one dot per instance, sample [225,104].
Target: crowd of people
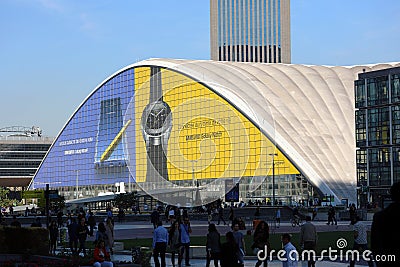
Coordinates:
[227,249]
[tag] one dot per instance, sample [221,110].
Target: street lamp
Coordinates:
[77,178]
[273,177]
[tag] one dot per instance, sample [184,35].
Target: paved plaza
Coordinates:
[143,229]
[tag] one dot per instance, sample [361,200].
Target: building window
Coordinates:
[395,80]
[378,126]
[379,166]
[377,91]
[360,93]
[361,128]
[361,158]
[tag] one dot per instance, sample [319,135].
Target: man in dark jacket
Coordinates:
[385,234]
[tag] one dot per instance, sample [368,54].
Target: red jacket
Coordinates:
[100,254]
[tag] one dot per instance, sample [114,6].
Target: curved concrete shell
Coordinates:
[307,111]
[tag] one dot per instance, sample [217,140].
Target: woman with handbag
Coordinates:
[174,241]
[261,241]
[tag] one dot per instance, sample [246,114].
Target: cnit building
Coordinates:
[186,131]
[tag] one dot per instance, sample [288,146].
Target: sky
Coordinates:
[53,53]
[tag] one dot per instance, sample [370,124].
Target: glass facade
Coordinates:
[377,121]
[160,130]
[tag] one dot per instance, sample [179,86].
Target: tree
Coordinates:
[4,200]
[126,200]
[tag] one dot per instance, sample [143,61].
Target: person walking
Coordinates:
[154,218]
[101,234]
[308,238]
[290,251]
[221,215]
[209,214]
[160,239]
[110,233]
[91,220]
[385,234]
[174,241]
[231,216]
[53,231]
[185,231]
[83,232]
[352,212]
[331,215]
[213,245]
[239,239]
[261,240]
[278,217]
[73,235]
[314,213]
[228,251]
[360,239]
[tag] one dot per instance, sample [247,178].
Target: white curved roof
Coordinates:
[308,111]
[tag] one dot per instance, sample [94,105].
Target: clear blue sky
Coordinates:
[55,52]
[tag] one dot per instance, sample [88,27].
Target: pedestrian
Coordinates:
[352,212]
[385,234]
[309,238]
[110,233]
[209,214]
[73,235]
[261,241]
[101,255]
[257,213]
[360,239]
[59,219]
[26,212]
[101,234]
[278,217]
[221,215]
[83,232]
[121,214]
[174,241]
[53,231]
[160,239]
[239,239]
[213,245]
[171,214]
[91,222]
[231,216]
[154,218]
[186,230]
[290,256]
[314,213]
[331,215]
[228,251]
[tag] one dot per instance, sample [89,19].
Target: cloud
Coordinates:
[51,5]
[86,23]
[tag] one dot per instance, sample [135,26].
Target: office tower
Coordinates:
[377,124]
[250,30]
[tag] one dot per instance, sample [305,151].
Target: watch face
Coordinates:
[156,118]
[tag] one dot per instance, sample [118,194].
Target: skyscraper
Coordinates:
[250,30]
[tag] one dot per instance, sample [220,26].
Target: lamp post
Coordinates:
[273,177]
[77,178]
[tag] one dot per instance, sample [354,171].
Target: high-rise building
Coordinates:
[377,121]
[22,149]
[250,30]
